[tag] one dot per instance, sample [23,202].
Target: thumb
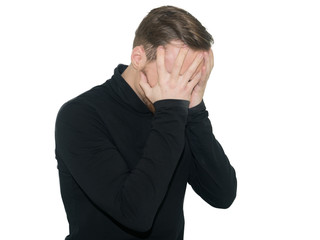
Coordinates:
[144,84]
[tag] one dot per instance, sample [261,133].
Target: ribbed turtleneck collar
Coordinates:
[125,93]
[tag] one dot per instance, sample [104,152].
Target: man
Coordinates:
[126,149]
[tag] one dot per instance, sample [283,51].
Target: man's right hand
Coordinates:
[172,85]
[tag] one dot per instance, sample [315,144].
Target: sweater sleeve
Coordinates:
[132,197]
[211,175]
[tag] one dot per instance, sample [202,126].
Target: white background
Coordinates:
[263,100]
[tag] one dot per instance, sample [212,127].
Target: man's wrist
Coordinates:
[165,103]
[197,113]
[172,105]
[198,108]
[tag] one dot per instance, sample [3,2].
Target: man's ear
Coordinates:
[138,57]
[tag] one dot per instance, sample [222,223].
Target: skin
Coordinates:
[178,73]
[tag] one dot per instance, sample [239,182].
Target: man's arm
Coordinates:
[211,175]
[132,197]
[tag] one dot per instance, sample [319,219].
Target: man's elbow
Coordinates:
[140,226]
[225,203]
[137,221]
[226,198]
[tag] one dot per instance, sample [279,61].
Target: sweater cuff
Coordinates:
[171,110]
[197,113]
[171,103]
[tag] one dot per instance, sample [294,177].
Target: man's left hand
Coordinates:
[198,91]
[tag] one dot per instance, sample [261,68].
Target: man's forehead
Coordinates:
[176,44]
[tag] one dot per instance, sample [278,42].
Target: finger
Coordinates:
[144,84]
[211,58]
[204,76]
[195,80]
[179,62]
[211,62]
[206,69]
[193,67]
[207,62]
[160,61]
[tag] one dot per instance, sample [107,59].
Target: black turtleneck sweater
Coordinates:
[123,170]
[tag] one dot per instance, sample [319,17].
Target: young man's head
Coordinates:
[172,28]
[166,24]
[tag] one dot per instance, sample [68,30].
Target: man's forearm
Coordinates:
[212,175]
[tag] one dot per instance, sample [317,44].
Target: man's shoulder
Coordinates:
[89,102]
[95,96]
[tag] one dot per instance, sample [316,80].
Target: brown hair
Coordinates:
[165,24]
